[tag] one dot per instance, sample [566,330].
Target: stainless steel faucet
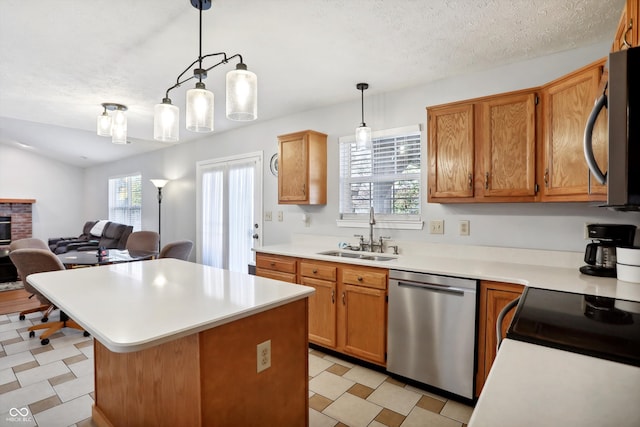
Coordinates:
[372,221]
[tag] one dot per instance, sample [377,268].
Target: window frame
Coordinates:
[387,221]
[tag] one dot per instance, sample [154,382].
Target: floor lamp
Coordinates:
[159,183]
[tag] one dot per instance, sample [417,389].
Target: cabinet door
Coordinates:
[451,152]
[322,311]
[508,146]
[567,103]
[364,322]
[494,296]
[292,168]
[627,32]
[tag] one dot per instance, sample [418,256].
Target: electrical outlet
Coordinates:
[268,216]
[436,227]
[280,216]
[264,355]
[463,227]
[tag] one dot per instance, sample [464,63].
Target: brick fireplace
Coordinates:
[16,219]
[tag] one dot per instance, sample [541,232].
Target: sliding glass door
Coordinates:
[229,211]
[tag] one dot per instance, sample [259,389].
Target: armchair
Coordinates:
[180,249]
[29,261]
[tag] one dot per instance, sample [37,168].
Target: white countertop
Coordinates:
[133,306]
[462,261]
[530,386]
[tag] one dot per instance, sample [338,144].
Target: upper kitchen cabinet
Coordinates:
[567,103]
[302,168]
[451,152]
[627,33]
[483,150]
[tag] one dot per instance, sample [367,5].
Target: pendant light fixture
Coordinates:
[241,94]
[363,133]
[115,124]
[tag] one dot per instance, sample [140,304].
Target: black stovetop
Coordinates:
[597,326]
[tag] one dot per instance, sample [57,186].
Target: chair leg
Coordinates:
[53,327]
[44,307]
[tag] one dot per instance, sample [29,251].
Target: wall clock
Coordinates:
[273,164]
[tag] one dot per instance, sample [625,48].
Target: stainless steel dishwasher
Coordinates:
[431,334]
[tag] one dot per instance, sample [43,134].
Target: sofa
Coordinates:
[95,234]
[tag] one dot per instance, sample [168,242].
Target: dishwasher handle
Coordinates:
[507,308]
[437,288]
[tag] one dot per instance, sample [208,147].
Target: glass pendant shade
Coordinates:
[363,137]
[119,128]
[166,120]
[199,109]
[104,124]
[242,94]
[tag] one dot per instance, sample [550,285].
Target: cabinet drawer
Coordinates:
[272,274]
[369,278]
[318,271]
[282,264]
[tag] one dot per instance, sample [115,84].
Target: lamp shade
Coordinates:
[166,120]
[363,137]
[242,94]
[119,127]
[159,183]
[104,124]
[199,109]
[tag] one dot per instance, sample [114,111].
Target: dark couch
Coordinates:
[114,236]
[58,244]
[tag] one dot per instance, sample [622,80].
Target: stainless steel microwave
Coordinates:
[623,103]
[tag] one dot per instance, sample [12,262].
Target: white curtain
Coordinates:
[227,214]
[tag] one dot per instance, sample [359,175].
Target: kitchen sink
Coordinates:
[367,257]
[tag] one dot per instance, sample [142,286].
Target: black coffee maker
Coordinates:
[600,254]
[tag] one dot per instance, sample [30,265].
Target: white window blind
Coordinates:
[385,175]
[125,200]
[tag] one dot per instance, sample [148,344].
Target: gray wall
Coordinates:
[552,226]
[57,188]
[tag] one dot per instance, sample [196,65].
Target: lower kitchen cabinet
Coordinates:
[322,305]
[276,267]
[494,296]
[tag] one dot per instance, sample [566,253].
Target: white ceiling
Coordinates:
[59,60]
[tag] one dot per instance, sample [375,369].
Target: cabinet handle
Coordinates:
[304,189]
[470,181]
[315,271]
[344,302]
[359,278]
[624,37]
[333,296]
[486,181]
[546,177]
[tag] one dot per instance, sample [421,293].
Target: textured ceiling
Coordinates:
[61,59]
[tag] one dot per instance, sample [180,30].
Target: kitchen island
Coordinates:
[176,343]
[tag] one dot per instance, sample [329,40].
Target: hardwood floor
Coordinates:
[17,300]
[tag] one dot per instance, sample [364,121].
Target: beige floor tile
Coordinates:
[67,413]
[430,404]
[62,379]
[10,361]
[396,398]
[317,419]
[353,411]
[419,417]
[330,385]
[362,391]
[365,376]
[319,402]
[339,361]
[317,364]
[337,369]
[457,411]
[44,404]
[26,395]
[7,376]
[57,354]
[42,373]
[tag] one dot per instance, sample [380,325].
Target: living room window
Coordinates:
[386,175]
[125,200]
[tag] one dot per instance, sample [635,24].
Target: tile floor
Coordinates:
[52,385]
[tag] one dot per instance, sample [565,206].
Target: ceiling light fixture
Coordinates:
[363,133]
[241,93]
[113,125]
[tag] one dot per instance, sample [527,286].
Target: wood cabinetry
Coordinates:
[627,33]
[276,267]
[494,296]
[567,103]
[362,313]
[322,305]
[484,149]
[302,168]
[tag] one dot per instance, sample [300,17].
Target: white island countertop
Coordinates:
[553,270]
[133,306]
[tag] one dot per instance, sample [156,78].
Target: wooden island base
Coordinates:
[210,378]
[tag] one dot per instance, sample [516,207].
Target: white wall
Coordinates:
[552,226]
[57,188]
